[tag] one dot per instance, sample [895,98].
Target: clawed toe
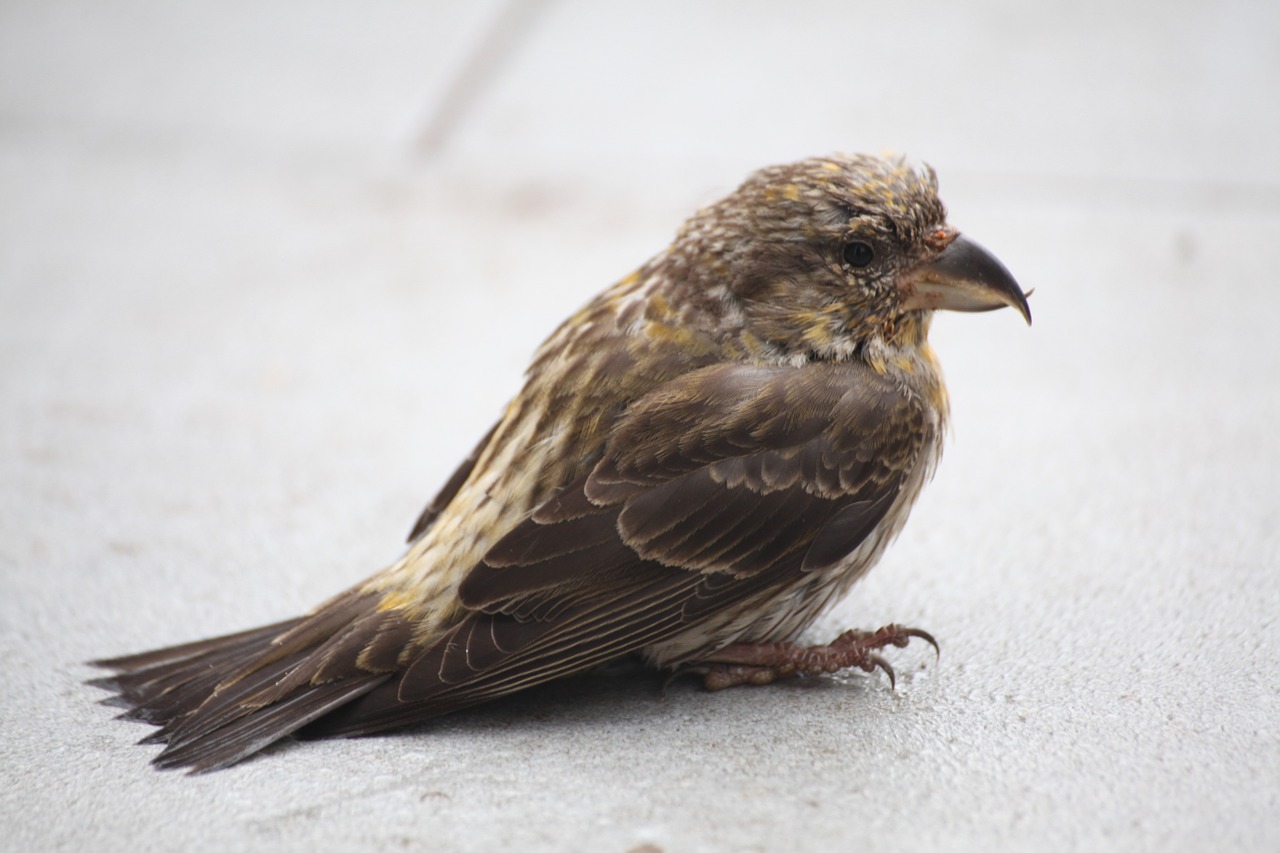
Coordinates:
[749,663]
[875,661]
[908,633]
[890,635]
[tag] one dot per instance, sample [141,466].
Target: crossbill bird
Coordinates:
[701,460]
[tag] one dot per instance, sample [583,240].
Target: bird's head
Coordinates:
[825,255]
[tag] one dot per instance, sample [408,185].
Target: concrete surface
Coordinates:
[268,269]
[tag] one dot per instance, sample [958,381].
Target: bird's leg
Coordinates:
[751,663]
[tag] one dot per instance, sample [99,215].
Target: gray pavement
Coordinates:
[267,270]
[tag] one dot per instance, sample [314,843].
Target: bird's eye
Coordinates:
[858,254]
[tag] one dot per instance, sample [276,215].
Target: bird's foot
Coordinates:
[750,663]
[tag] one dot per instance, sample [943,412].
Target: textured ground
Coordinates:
[267,270]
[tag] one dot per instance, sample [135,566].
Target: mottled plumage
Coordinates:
[701,460]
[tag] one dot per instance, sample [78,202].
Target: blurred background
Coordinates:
[268,269]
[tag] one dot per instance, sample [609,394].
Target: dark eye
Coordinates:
[858,254]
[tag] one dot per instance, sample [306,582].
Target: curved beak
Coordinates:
[963,277]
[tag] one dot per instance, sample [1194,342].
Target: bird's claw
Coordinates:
[875,661]
[747,663]
[890,635]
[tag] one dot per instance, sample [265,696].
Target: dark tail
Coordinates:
[220,700]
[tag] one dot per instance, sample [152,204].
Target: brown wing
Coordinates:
[717,488]
[714,489]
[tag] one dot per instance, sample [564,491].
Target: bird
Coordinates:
[701,460]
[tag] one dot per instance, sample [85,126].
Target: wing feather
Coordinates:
[712,492]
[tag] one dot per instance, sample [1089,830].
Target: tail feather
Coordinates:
[354,667]
[144,662]
[160,685]
[232,698]
[244,735]
[220,700]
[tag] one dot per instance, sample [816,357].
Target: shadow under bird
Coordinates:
[701,460]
